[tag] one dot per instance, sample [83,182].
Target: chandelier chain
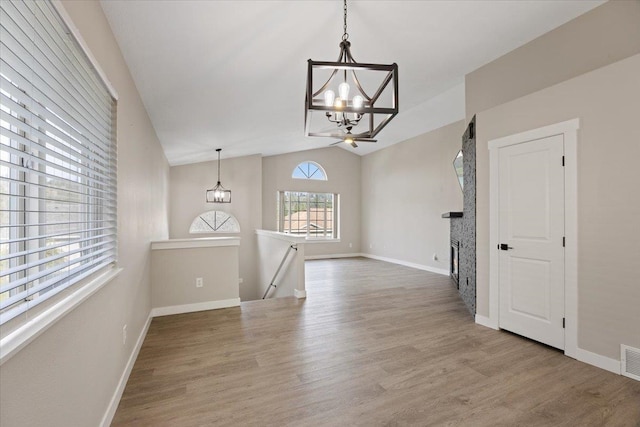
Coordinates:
[219,150]
[345,35]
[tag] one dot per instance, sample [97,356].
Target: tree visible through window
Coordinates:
[308,214]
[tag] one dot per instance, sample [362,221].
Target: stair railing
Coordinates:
[295,248]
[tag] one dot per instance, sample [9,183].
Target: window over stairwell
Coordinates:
[309,170]
[314,215]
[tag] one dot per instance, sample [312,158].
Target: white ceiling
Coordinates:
[231,74]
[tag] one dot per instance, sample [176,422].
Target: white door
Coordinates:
[531,228]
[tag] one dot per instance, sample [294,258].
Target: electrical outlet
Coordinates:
[240,280]
[370,245]
[350,245]
[199,282]
[124,334]
[435,257]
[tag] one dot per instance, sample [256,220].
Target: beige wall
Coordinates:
[241,175]
[405,190]
[271,251]
[174,273]
[599,37]
[343,173]
[68,375]
[607,102]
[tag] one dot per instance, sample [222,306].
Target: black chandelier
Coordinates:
[361,117]
[218,194]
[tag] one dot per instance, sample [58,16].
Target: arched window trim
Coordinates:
[214,222]
[316,164]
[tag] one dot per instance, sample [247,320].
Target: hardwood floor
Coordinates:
[374,344]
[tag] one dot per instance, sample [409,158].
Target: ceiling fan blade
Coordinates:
[365,139]
[354,145]
[337,142]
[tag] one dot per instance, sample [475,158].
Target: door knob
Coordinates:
[504,247]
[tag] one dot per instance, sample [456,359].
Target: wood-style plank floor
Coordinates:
[374,344]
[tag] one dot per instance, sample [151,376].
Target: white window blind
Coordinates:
[57,160]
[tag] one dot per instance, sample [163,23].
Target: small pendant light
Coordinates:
[218,194]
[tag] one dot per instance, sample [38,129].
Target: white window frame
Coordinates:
[45,315]
[335,209]
[299,166]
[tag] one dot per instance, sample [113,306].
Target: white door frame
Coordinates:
[569,131]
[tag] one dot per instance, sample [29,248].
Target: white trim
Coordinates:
[533,134]
[485,321]
[204,242]
[191,308]
[299,294]
[326,177]
[571,239]
[57,4]
[599,361]
[117,395]
[314,240]
[281,236]
[21,337]
[494,260]
[330,256]
[569,131]
[408,264]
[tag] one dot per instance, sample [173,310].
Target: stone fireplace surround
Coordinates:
[463,224]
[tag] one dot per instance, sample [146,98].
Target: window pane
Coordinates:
[307,214]
[309,170]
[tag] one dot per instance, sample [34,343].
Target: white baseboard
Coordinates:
[329,256]
[115,399]
[190,308]
[485,321]
[442,271]
[299,294]
[599,361]
[585,356]
[160,311]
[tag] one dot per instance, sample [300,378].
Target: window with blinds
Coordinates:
[57,160]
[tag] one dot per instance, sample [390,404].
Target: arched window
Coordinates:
[309,170]
[214,222]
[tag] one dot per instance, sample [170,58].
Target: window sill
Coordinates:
[321,240]
[21,337]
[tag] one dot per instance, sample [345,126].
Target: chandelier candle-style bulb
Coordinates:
[338,107]
[343,90]
[329,98]
[336,103]
[358,101]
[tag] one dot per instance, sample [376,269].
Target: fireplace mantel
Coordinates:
[452,215]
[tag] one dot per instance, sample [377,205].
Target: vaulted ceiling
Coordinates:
[231,74]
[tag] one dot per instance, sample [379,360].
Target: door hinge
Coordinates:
[563,323]
[562,160]
[563,241]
